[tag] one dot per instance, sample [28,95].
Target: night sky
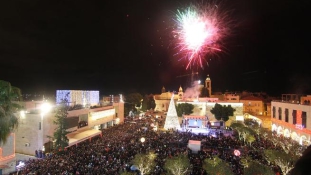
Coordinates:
[128,46]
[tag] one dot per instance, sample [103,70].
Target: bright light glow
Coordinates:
[22,114]
[85,98]
[199,32]
[117,120]
[45,108]
[237,152]
[20,165]
[171,121]
[239,118]
[121,98]
[142,140]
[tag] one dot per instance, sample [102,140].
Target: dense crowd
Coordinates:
[112,152]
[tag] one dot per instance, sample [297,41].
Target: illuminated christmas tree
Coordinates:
[171,121]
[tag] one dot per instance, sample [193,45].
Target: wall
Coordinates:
[288,127]
[28,136]
[7,152]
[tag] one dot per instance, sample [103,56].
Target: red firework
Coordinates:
[199,32]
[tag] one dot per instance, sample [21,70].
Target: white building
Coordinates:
[203,107]
[35,125]
[291,117]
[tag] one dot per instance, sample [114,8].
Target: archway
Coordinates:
[274,127]
[286,133]
[280,130]
[294,136]
[302,140]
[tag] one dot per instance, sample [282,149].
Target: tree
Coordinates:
[145,162]
[282,159]
[239,128]
[250,139]
[184,108]
[266,133]
[216,166]
[128,173]
[247,133]
[245,161]
[178,165]
[251,122]
[8,108]
[132,101]
[256,168]
[61,140]
[222,112]
[148,102]
[235,125]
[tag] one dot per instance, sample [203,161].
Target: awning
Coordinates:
[80,136]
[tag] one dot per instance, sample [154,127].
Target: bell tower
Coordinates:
[163,90]
[180,94]
[208,85]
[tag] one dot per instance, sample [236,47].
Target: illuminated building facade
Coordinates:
[232,97]
[35,126]
[162,100]
[253,105]
[203,107]
[85,98]
[291,117]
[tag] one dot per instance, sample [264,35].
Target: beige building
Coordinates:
[202,107]
[253,105]
[291,117]
[231,97]
[162,100]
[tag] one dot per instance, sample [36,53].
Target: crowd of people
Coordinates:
[113,151]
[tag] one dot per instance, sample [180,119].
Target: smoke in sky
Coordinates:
[193,91]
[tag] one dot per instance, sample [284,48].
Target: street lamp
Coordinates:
[44,109]
[142,140]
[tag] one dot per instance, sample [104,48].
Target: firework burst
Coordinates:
[199,32]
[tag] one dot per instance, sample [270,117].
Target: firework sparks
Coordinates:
[198,33]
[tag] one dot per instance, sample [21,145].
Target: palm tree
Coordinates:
[8,119]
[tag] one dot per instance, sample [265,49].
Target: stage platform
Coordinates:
[206,131]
